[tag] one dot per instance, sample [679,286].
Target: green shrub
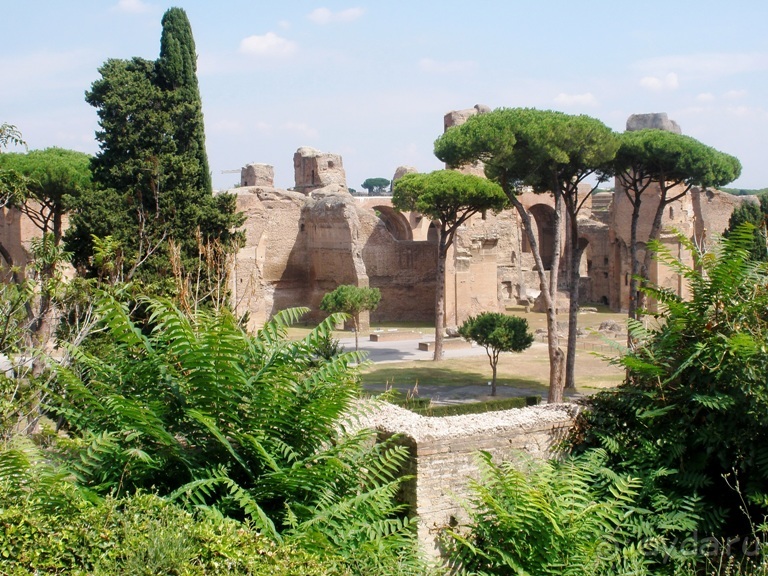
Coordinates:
[253,427]
[692,417]
[553,517]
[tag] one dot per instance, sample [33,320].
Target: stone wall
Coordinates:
[443,454]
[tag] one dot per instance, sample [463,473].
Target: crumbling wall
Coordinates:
[270,271]
[443,454]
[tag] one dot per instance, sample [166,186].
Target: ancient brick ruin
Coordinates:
[303,243]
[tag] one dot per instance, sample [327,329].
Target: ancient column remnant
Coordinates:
[655,120]
[315,170]
[257,175]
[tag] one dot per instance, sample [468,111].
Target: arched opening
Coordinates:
[395,221]
[544,217]
[432,233]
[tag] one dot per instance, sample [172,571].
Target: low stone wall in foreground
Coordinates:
[444,454]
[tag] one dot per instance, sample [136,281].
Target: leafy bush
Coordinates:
[50,526]
[573,517]
[692,417]
[257,428]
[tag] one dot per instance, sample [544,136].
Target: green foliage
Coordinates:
[447,196]
[54,179]
[754,214]
[571,516]
[9,134]
[50,526]
[252,427]
[497,333]
[352,300]
[151,173]
[376,186]
[667,157]
[177,72]
[547,150]
[692,415]
[12,184]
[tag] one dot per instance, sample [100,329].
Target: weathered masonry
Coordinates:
[304,242]
[443,454]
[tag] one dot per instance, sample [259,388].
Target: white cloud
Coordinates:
[300,128]
[735,94]
[284,24]
[705,97]
[656,84]
[450,67]
[709,65]
[324,16]
[132,6]
[587,99]
[268,45]
[739,111]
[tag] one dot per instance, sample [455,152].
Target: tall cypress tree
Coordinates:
[177,72]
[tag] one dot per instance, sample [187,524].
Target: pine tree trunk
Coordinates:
[442,254]
[577,250]
[549,291]
[635,263]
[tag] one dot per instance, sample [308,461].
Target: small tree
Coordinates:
[375,186]
[449,198]
[351,300]
[497,333]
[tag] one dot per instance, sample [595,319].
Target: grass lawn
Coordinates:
[527,370]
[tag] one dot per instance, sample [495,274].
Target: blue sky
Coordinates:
[372,80]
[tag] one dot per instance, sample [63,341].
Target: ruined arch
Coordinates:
[395,221]
[433,233]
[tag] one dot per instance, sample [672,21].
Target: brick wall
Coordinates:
[444,451]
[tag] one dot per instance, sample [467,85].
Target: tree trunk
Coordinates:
[442,253]
[494,365]
[356,325]
[634,289]
[549,290]
[654,235]
[573,309]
